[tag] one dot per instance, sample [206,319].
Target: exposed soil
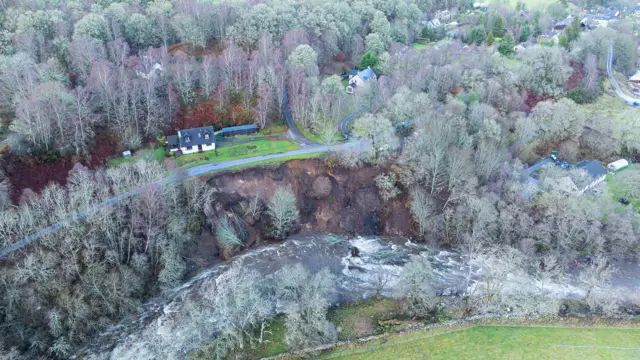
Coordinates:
[576,77]
[213,47]
[351,206]
[533,99]
[35,172]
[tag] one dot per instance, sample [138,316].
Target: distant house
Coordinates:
[595,170]
[238,130]
[635,79]
[151,73]
[443,15]
[192,140]
[518,48]
[611,13]
[359,79]
[563,24]
[433,24]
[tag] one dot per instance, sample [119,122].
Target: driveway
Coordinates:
[628,99]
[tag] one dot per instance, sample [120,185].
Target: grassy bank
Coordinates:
[255,148]
[337,137]
[275,161]
[502,342]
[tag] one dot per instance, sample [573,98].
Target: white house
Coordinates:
[359,79]
[192,140]
[155,68]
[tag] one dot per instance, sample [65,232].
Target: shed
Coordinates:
[173,143]
[635,78]
[126,154]
[618,165]
[239,130]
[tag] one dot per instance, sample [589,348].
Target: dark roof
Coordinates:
[172,141]
[197,136]
[366,74]
[593,167]
[564,23]
[238,128]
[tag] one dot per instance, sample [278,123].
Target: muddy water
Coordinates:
[358,277]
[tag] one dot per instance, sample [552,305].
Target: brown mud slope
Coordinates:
[337,200]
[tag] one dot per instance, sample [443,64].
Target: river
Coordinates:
[358,278]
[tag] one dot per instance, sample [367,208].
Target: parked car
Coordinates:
[624,201]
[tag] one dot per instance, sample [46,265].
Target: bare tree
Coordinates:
[415,283]
[305,298]
[386,184]
[383,275]
[226,234]
[264,105]
[596,275]
[421,208]
[590,79]
[283,212]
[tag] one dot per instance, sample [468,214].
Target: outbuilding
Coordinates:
[618,165]
[238,130]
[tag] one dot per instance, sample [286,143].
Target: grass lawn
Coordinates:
[610,108]
[350,318]
[277,161]
[503,342]
[337,137]
[614,190]
[272,130]
[419,46]
[157,154]
[255,148]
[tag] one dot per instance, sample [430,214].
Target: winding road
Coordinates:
[628,99]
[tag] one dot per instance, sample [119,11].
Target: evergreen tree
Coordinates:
[506,46]
[369,59]
[497,25]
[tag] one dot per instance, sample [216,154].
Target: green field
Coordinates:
[156,154]
[251,149]
[503,342]
[611,109]
[614,190]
